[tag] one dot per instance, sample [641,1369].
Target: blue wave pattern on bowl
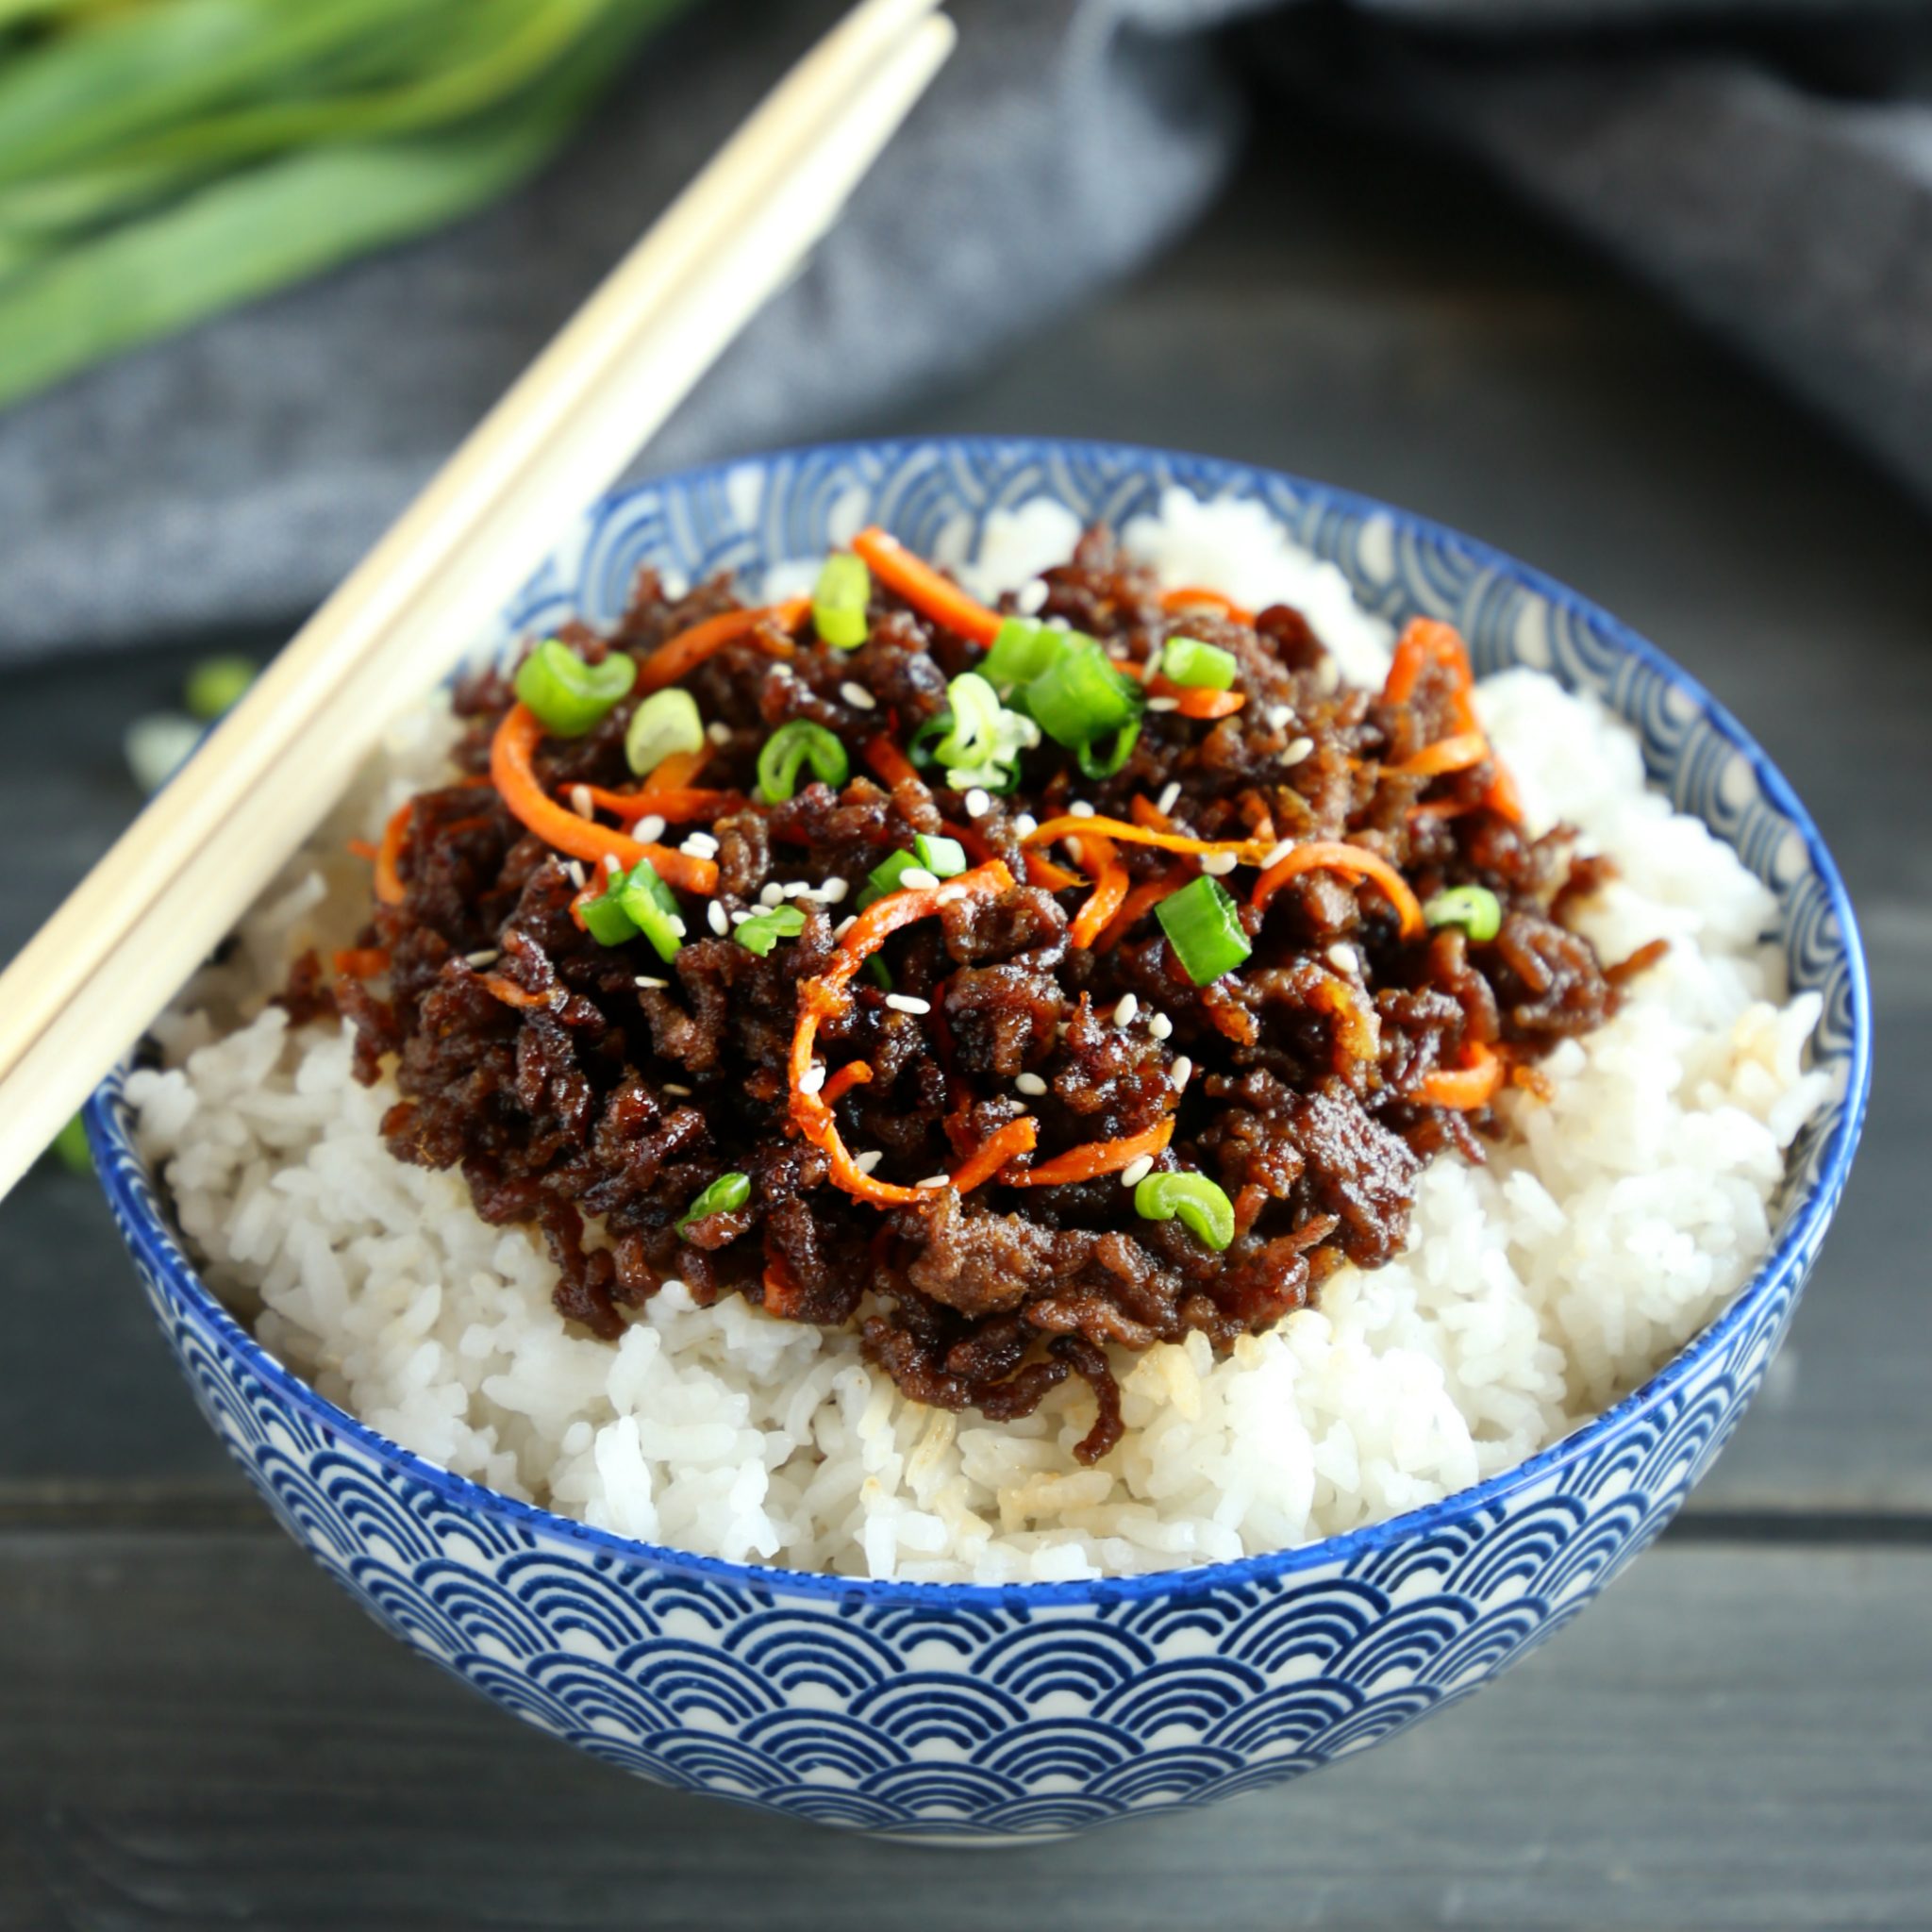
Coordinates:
[998,1712]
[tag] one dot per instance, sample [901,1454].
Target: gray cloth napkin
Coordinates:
[228,477]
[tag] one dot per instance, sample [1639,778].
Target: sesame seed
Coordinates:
[676,1092]
[1032,597]
[935,1180]
[979,803]
[778,670]
[1277,853]
[677,924]
[1118,653]
[670,1285]
[918,879]
[868,1160]
[648,829]
[1217,865]
[857,696]
[1124,1013]
[1080,808]
[846,926]
[1328,676]
[833,892]
[795,889]
[489,957]
[1025,824]
[1029,1084]
[714,916]
[1136,1171]
[771,895]
[1279,717]
[581,802]
[611,866]
[1181,1073]
[644,982]
[1342,958]
[718,731]
[1164,704]
[575,873]
[1160,1027]
[1169,797]
[811,1079]
[1058,624]
[700,845]
[739,915]
[907,1003]
[1294,753]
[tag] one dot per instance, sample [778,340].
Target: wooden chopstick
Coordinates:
[174,885]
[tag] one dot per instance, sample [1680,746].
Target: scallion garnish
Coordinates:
[945,859]
[838,599]
[973,706]
[605,921]
[1203,925]
[216,685]
[1019,654]
[725,1195]
[793,745]
[1093,765]
[1202,1205]
[567,694]
[651,906]
[1201,667]
[1474,908]
[666,721]
[1080,697]
[763,930]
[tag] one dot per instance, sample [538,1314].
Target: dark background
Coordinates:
[195,1731]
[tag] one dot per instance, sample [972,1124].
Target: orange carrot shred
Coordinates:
[1472,1085]
[680,656]
[1352,862]
[1096,1157]
[1109,890]
[676,805]
[512,994]
[678,769]
[1197,701]
[1136,906]
[889,762]
[365,848]
[510,754]
[361,962]
[930,594]
[1016,1137]
[1454,753]
[1249,851]
[853,1073]
[1193,596]
[389,880]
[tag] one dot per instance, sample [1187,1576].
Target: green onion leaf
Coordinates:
[1202,1207]
[763,930]
[945,859]
[1019,653]
[1095,766]
[725,1195]
[216,685]
[605,921]
[974,706]
[567,695]
[838,599]
[666,721]
[1080,697]
[70,1148]
[878,971]
[1474,908]
[1203,925]
[793,745]
[1204,667]
[651,906]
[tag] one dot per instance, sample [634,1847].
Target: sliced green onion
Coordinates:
[975,709]
[793,745]
[1203,925]
[1202,1207]
[1204,667]
[1080,696]
[1474,908]
[725,1195]
[605,921]
[567,695]
[216,686]
[763,930]
[884,878]
[838,599]
[945,859]
[1019,653]
[877,970]
[651,908]
[1095,766]
[666,721]
[70,1148]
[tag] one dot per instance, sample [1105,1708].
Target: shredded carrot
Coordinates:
[888,761]
[1016,1137]
[853,1073]
[1352,862]
[1423,642]
[822,998]
[1501,796]
[1109,890]
[1440,809]
[1472,1085]
[365,848]
[1454,753]
[1192,596]
[929,592]
[1096,1157]
[512,994]
[1140,901]
[676,805]
[1197,701]
[678,770]
[361,962]
[680,656]
[510,754]
[1149,814]
[1248,851]
[389,879]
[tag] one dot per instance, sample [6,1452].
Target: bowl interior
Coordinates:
[936,496]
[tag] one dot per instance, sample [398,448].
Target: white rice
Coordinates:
[1535,1290]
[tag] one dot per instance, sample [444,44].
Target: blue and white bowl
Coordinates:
[949,1710]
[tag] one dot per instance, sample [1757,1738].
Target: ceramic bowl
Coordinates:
[1023,1712]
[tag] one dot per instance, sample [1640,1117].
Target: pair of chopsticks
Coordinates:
[167,892]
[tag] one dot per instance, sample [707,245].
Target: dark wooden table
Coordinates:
[196,1731]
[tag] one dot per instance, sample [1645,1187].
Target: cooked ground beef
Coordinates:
[593,1091]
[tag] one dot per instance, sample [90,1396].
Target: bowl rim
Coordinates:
[117,1164]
